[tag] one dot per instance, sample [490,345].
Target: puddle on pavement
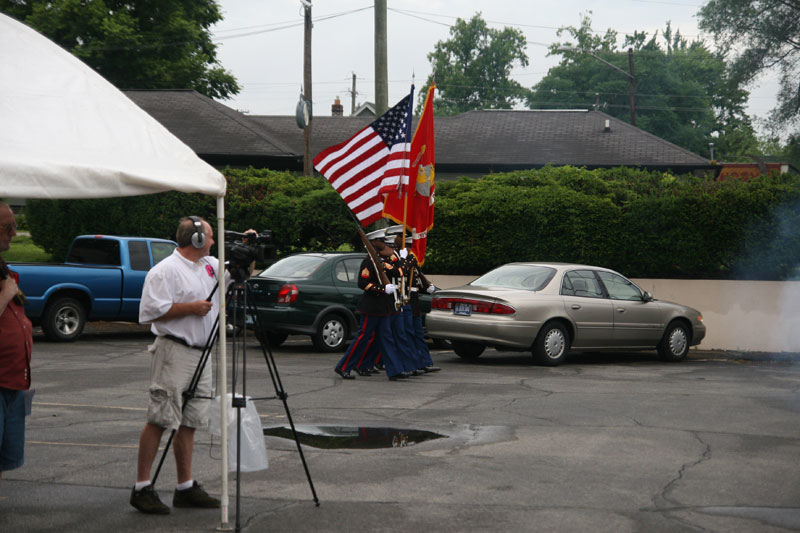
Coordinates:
[332,437]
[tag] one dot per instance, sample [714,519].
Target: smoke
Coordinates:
[771,249]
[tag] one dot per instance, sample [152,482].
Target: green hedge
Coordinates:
[643,224]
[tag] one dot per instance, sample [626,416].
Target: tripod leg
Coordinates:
[276,382]
[163,456]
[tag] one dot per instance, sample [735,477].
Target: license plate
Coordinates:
[462,309]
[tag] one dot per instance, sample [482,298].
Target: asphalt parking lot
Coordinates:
[606,442]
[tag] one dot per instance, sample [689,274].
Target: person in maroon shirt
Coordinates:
[16,344]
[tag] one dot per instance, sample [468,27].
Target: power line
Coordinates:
[288,24]
[415,14]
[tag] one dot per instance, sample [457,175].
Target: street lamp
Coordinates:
[567,48]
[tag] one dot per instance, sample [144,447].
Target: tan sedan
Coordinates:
[550,308]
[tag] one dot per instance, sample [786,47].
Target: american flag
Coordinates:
[370,164]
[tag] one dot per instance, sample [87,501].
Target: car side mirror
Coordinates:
[647,297]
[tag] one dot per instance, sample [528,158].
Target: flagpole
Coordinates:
[408,133]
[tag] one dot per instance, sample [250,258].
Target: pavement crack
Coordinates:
[665,494]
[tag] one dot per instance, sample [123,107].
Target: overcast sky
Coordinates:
[261,43]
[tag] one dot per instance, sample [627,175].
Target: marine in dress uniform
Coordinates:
[416,283]
[376,306]
[414,334]
[401,317]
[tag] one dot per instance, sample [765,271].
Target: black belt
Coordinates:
[181,341]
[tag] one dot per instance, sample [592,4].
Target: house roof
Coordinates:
[478,141]
[209,127]
[514,139]
[367,109]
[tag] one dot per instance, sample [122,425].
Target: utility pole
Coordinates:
[629,75]
[381,62]
[353,96]
[631,78]
[307,168]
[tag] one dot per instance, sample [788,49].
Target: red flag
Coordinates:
[370,164]
[416,212]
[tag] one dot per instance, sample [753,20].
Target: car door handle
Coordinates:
[620,309]
[576,306]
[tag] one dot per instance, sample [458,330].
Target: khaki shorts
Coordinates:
[171,371]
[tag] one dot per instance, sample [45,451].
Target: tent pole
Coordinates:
[222,366]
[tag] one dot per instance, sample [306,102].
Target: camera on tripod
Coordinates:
[242,249]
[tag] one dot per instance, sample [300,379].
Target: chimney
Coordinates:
[337,109]
[607,126]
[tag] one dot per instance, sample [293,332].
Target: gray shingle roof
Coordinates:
[480,141]
[558,137]
[206,126]
[513,139]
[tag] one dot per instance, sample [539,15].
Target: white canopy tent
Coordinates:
[65,132]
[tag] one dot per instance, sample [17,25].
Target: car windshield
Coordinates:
[526,277]
[295,266]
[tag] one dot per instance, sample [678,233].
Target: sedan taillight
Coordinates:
[288,294]
[478,306]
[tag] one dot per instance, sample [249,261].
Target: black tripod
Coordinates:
[241,300]
[239,303]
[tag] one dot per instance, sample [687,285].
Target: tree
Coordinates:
[472,69]
[759,35]
[682,92]
[136,44]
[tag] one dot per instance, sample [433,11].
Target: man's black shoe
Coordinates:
[401,375]
[431,368]
[374,370]
[347,375]
[147,501]
[365,373]
[418,372]
[194,496]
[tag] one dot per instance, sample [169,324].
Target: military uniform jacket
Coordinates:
[374,300]
[414,282]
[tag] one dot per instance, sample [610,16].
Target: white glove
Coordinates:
[404,253]
[390,288]
[431,289]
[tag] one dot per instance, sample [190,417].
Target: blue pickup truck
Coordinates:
[101,279]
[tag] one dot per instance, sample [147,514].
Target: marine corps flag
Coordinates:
[416,212]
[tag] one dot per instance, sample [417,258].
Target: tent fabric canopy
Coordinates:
[68,133]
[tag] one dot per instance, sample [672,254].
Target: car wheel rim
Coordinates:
[67,321]
[677,341]
[554,343]
[333,334]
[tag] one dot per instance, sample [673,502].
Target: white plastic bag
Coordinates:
[254,450]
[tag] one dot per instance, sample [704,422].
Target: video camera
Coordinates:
[242,249]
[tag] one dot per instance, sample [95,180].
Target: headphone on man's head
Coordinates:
[199,236]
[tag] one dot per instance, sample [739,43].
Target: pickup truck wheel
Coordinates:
[63,320]
[332,334]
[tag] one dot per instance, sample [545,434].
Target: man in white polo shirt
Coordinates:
[175,304]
